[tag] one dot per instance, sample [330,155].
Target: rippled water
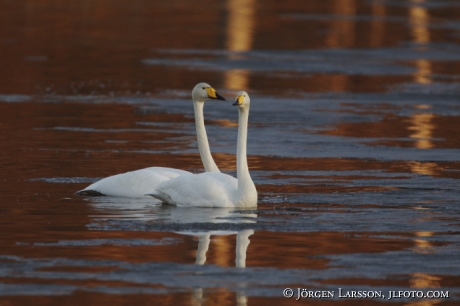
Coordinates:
[353,144]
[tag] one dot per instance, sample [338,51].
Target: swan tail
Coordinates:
[89,193]
[163,197]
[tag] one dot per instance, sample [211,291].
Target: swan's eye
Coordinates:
[204,88]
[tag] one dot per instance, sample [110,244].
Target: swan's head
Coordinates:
[242,99]
[204,91]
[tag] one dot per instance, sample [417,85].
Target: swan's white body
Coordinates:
[215,189]
[136,184]
[132,184]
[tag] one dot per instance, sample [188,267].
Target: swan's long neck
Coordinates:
[203,144]
[246,189]
[242,243]
[203,246]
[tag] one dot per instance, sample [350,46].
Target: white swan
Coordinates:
[137,183]
[211,189]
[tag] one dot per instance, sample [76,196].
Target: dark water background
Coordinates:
[353,144]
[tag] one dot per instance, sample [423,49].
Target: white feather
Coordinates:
[133,184]
[209,189]
[137,183]
[215,189]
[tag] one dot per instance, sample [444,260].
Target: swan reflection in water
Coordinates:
[242,243]
[154,212]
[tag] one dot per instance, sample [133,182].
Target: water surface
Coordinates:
[353,145]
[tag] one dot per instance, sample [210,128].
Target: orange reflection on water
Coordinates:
[341,35]
[300,250]
[240,24]
[424,71]
[240,28]
[97,48]
[425,168]
[237,79]
[422,246]
[422,129]
[223,250]
[342,31]
[419,21]
[421,281]
[224,122]
[377,25]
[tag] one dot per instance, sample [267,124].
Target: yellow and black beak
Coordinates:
[238,101]
[212,94]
